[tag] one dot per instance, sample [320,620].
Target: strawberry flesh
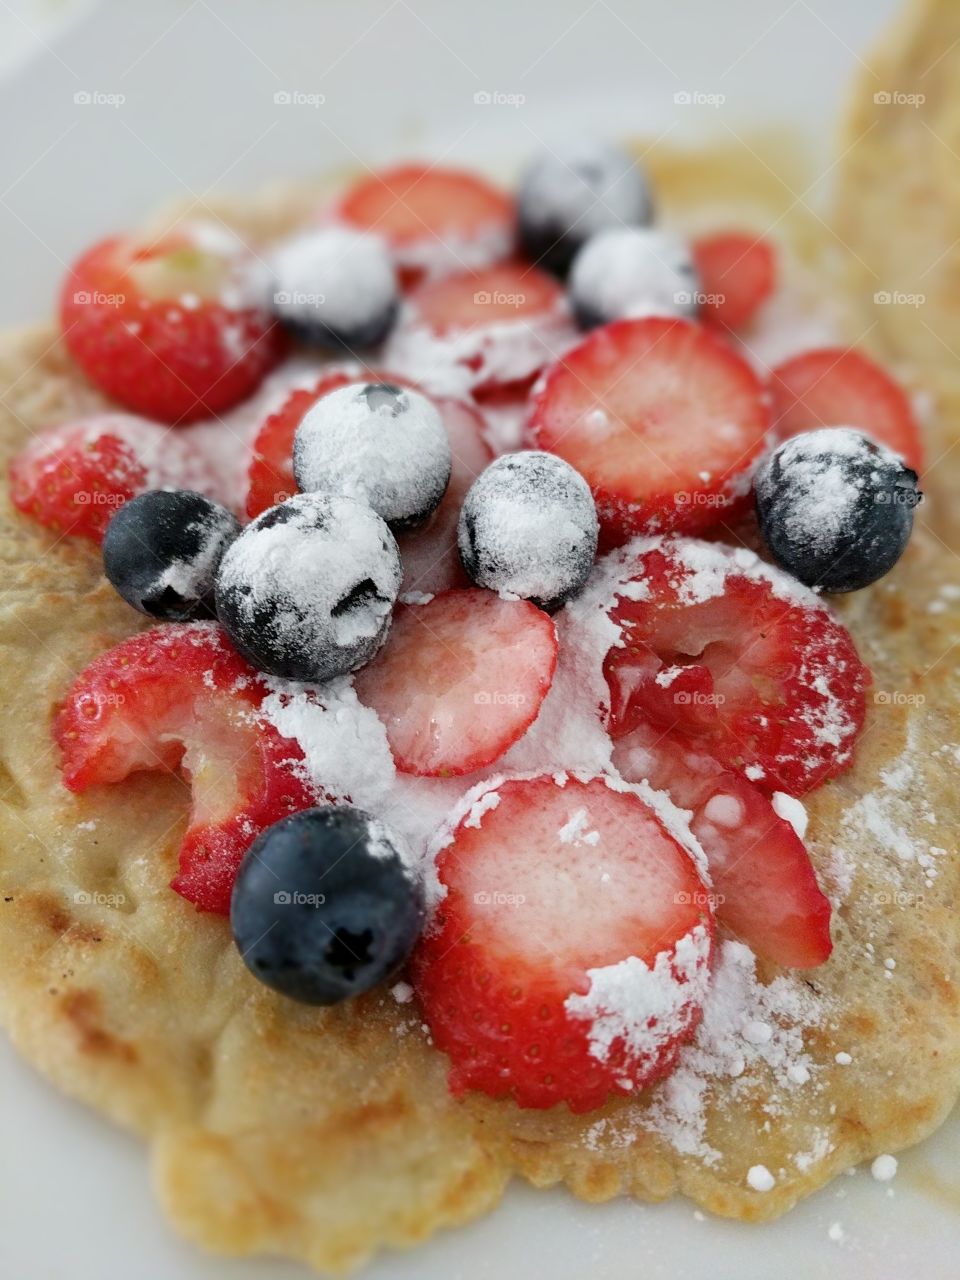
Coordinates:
[737,273]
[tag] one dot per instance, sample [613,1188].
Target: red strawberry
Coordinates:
[172,329]
[738,657]
[460,680]
[661,417]
[435,220]
[180,697]
[72,478]
[570,956]
[765,887]
[738,273]
[500,324]
[431,562]
[834,387]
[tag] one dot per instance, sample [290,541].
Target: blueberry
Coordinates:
[564,198]
[382,444]
[324,907]
[162,550]
[835,509]
[335,288]
[633,271]
[307,590]
[528,526]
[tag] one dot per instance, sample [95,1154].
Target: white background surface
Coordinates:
[198,81]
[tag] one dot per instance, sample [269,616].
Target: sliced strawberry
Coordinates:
[836,387]
[737,273]
[435,220]
[737,656]
[661,417]
[72,478]
[764,886]
[460,680]
[499,324]
[431,562]
[570,956]
[180,697]
[172,329]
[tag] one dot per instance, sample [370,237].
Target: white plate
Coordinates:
[198,82]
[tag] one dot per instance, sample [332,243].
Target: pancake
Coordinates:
[325,1135]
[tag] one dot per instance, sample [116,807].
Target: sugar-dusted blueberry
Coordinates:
[633,271]
[325,905]
[383,444]
[835,509]
[307,590]
[162,550]
[565,197]
[336,288]
[528,528]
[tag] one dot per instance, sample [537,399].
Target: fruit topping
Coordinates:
[570,955]
[565,198]
[662,419]
[162,550]
[180,697]
[528,528]
[738,273]
[325,907]
[462,678]
[835,509]
[379,443]
[737,656]
[307,590]
[633,271]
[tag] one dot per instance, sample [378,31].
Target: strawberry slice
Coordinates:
[738,657]
[833,387]
[179,697]
[460,680]
[570,956]
[663,420]
[738,273]
[73,477]
[431,561]
[174,330]
[765,887]
[435,220]
[500,325]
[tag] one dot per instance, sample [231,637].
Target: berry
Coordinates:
[335,288]
[461,680]
[176,329]
[632,271]
[380,443]
[270,473]
[737,273]
[497,327]
[429,554]
[162,549]
[570,956]
[832,386]
[180,697]
[307,590]
[738,657]
[835,509]
[436,221]
[528,528]
[765,887]
[72,478]
[661,418]
[324,906]
[564,199]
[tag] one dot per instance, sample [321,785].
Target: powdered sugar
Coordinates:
[633,271]
[334,276]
